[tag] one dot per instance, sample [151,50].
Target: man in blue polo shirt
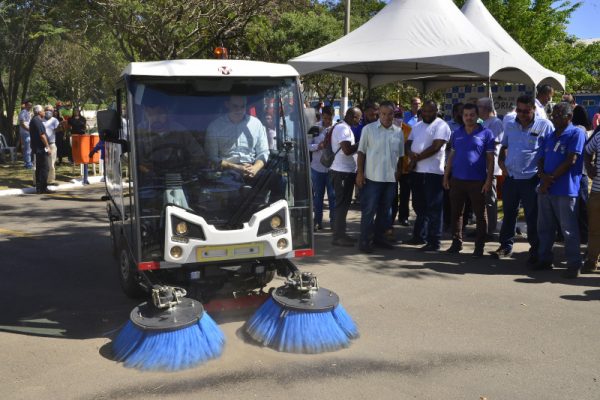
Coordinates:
[560,167]
[471,165]
[411,117]
[518,158]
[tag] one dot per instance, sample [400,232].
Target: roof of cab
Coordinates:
[216,68]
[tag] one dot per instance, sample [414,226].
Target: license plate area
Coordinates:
[230,252]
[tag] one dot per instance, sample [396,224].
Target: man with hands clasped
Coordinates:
[471,165]
[379,167]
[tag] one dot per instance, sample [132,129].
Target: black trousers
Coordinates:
[41,170]
[343,186]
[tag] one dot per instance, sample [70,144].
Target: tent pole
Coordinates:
[345,78]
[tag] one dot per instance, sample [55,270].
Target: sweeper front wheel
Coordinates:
[128,274]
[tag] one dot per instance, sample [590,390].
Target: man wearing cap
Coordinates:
[560,167]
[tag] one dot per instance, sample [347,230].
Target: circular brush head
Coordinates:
[147,317]
[319,300]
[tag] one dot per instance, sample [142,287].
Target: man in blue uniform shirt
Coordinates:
[560,167]
[471,165]
[518,157]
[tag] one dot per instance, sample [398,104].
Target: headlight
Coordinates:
[181,228]
[282,244]
[176,252]
[276,221]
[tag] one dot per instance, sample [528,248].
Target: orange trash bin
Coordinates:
[82,145]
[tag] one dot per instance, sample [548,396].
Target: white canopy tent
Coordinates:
[429,43]
[483,20]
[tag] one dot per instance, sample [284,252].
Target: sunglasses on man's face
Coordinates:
[524,111]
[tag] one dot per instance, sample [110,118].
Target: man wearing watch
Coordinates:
[523,137]
[41,148]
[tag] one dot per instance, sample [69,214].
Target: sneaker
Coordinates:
[430,248]
[570,273]
[455,248]
[542,266]
[501,252]
[342,242]
[404,222]
[414,241]
[478,252]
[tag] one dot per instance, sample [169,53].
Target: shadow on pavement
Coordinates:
[61,281]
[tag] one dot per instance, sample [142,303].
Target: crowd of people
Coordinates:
[44,139]
[535,157]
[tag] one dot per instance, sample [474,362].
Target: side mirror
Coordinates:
[109,124]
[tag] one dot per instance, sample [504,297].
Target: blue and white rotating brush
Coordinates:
[170,333]
[301,317]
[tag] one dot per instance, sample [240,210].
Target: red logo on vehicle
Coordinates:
[224,70]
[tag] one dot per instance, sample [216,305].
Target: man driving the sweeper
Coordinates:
[237,141]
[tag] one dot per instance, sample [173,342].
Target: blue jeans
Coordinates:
[26,146]
[320,182]
[582,214]
[515,192]
[428,203]
[561,209]
[375,198]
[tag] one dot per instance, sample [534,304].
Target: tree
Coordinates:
[81,68]
[149,30]
[24,26]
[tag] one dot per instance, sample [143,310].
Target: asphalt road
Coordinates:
[433,326]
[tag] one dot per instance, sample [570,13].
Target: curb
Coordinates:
[75,183]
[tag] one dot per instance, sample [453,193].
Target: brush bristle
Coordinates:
[301,332]
[169,351]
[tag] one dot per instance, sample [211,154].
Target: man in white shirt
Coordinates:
[51,124]
[487,112]
[543,97]
[380,154]
[343,174]
[427,151]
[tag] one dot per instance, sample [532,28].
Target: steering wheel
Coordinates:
[170,157]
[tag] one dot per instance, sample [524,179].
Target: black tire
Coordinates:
[128,274]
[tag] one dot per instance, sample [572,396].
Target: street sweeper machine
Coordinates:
[207,179]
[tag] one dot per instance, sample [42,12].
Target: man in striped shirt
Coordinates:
[592,165]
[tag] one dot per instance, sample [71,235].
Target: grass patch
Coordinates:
[14,176]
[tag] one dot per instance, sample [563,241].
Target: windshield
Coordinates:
[222,148]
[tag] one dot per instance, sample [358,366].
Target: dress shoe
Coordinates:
[589,267]
[383,244]
[501,252]
[455,248]
[342,242]
[478,252]
[350,239]
[542,266]
[570,273]
[413,241]
[367,249]
[532,259]
[430,248]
